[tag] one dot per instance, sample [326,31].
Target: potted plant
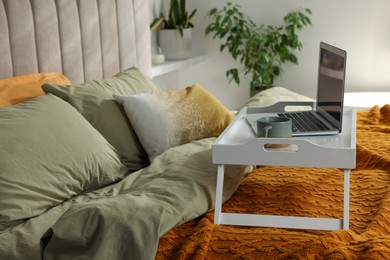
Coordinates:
[261,49]
[174,34]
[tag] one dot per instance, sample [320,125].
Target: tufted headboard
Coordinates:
[83,39]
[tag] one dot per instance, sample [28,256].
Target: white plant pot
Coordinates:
[173,45]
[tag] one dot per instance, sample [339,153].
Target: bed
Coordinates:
[96,161]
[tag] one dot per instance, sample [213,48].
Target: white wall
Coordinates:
[359,26]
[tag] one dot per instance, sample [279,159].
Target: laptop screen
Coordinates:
[331,81]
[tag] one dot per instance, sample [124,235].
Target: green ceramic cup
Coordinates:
[274,126]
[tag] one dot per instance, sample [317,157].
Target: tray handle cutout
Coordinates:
[280,147]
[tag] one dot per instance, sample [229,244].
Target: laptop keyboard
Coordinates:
[304,122]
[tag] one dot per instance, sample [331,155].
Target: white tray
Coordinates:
[238,144]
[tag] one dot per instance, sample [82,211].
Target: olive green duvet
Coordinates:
[124,220]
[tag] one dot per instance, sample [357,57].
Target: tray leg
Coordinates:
[347,173]
[218,195]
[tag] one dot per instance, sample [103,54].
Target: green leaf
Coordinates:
[178,17]
[156,23]
[260,48]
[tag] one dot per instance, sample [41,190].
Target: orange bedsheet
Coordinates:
[298,191]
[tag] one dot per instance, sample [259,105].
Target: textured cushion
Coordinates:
[167,119]
[21,88]
[49,153]
[95,102]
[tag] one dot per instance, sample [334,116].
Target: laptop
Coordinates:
[327,116]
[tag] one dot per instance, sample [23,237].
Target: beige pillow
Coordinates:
[168,119]
[274,95]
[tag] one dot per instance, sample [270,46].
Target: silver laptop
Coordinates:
[327,116]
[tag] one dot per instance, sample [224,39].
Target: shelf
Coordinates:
[175,65]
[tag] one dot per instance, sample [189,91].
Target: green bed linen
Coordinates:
[126,220]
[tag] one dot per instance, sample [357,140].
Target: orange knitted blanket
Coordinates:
[310,192]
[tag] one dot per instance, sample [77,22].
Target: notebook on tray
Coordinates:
[327,116]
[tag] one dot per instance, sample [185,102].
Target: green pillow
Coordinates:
[48,154]
[95,102]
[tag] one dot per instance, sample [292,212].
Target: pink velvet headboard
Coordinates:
[83,39]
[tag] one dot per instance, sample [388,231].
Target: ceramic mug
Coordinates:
[274,127]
